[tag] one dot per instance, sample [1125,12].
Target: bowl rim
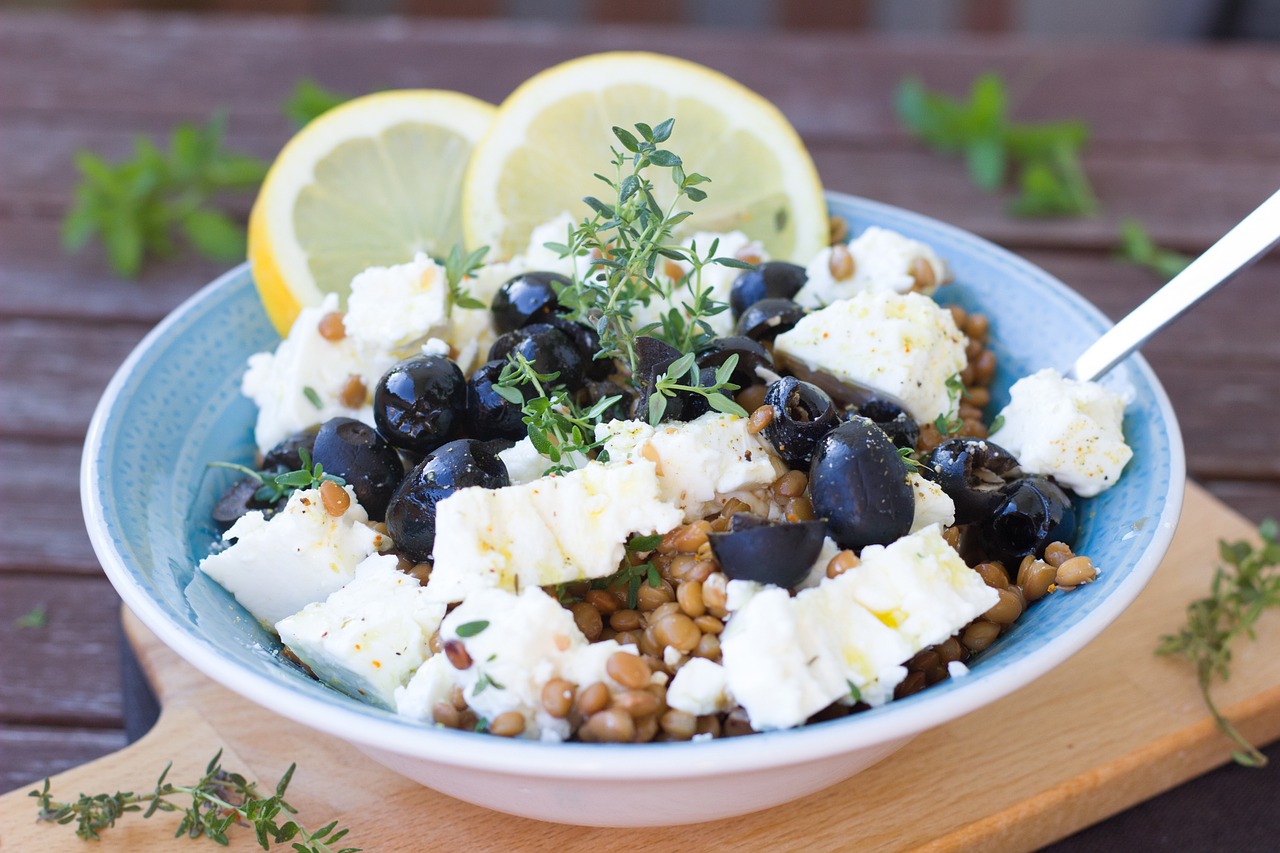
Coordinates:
[642,761]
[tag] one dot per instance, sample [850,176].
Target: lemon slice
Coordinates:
[369,183]
[554,131]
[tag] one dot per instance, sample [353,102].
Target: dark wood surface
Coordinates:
[1186,138]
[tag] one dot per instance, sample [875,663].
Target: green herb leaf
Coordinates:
[470,629]
[36,617]
[309,101]
[1137,247]
[312,396]
[644,543]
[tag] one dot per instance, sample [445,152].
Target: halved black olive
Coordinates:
[858,484]
[587,342]
[1033,512]
[489,415]
[769,318]
[770,280]
[238,499]
[594,391]
[411,515]
[419,402]
[653,357]
[284,456]
[355,452]
[751,354]
[972,471]
[547,349]
[755,549]
[527,298]
[901,428]
[802,415]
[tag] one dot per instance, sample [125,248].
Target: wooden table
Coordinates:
[1185,138]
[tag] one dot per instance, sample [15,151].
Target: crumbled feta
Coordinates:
[700,463]
[525,464]
[699,688]
[716,279]
[437,347]
[901,344]
[552,530]
[882,261]
[282,383]
[933,506]
[390,307]
[1070,430]
[956,669]
[300,555]
[786,658]
[432,684]
[368,637]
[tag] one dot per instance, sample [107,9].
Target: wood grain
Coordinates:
[1110,727]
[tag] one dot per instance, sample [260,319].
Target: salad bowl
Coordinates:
[174,406]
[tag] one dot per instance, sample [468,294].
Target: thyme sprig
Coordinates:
[458,266]
[1246,584]
[668,384]
[277,486]
[556,425]
[219,800]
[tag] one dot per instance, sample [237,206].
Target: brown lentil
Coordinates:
[649,643]
[353,392]
[691,537]
[507,724]
[791,484]
[760,419]
[628,638]
[1036,577]
[445,714]
[984,369]
[601,600]
[459,699]
[557,697]
[331,327]
[709,725]
[841,563]
[1075,571]
[701,570]
[1007,610]
[709,624]
[651,597]
[976,326]
[979,397]
[922,271]
[840,263]
[678,632]
[628,670]
[950,650]
[952,537]
[751,397]
[737,723]
[708,647]
[993,574]
[714,594]
[959,315]
[457,654]
[913,683]
[1057,553]
[626,620]
[588,620]
[733,506]
[335,498]
[637,703]
[421,572]
[663,612]
[837,229]
[799,509]
[435,643]
[689,597]
[979,634]
[679,725]
[611,726]
[593,698]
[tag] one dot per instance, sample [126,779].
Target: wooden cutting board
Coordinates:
[1108,729]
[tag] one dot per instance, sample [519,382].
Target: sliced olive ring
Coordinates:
[802,415]
[756,549]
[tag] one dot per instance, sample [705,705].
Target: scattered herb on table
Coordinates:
[219,800]
[309,101]
[36,617]
[1244,586]
[1044,156]
[1137,247]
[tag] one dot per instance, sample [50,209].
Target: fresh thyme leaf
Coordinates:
[1246,584]
[668,385]
[644,543]
[1137,247]
[470,629]
[309,101]
[906,454]
[996,423]
[556,426]
[36,617]
[218,801]
[947,425]
[312,396]
[281,485]
[457,267]
[854,693]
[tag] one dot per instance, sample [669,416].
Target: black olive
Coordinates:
[972,471]
[355,452]
[755,549]
[489,415]
[527,298]
[802,415]
[547,349]
[284,456]
[594,391]
[1033,512]
[770,280]
[653,357]
[411,515]
[239,499]
[858,484]
[893,419]
[751,354]
[769,318]
[587,343]
[419,402]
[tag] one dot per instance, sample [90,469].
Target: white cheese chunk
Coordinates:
[552,530]
[701,463]
[301,383]
[818,571]
[903,345]
[367,638]
[432,684]
[525,464]
[300,555]
[699,687]
[390,307]
[882,261]
[933,506]
[1070,430]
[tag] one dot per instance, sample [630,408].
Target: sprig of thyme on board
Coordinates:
[218,800]
[1244,586]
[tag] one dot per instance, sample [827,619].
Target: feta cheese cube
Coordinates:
[1067,429]
[933,506]
[432,684]
[699,687]
[300,555]
[301,383]
[882,261]
[701,463]
[525,464]
[903,345]
[390,307]
[551,530]
[368,637]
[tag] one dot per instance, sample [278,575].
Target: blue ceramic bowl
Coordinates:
[175,405]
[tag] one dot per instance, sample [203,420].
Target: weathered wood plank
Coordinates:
[67,672]
[43,531]
[1182,97]
[1254,500]
[30,753]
